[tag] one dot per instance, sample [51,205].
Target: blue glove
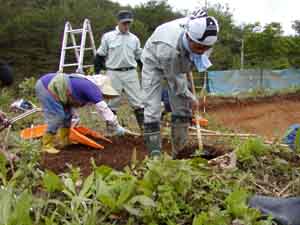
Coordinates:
[115,128]
[120,131]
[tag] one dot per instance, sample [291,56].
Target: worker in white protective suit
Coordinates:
[171,52]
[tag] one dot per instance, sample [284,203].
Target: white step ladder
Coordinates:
[78,49]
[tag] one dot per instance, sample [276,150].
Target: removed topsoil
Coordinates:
[268,117]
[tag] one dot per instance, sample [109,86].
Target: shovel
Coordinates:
[197,116]
[129,132]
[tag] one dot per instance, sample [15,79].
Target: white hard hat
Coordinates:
[104,84]
[203,30]
[198,13]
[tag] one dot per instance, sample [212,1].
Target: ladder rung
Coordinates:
[86,66]
[70,64]
[77,47]
[75,31]
[72,47]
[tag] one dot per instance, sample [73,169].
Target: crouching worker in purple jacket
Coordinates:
[59,93]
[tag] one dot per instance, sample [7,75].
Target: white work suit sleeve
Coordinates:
[105,112]
[138,51]
[168,60]
[103,48]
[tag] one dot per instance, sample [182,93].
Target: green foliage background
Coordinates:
[31,33]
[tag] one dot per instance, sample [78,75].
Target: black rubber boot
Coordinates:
[152,138]
[139,115]
[285,211]
[179,134]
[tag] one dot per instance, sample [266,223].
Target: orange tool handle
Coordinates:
[203,122]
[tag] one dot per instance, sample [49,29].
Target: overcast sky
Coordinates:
[263,11]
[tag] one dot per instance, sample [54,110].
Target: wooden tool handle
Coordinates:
[197,114]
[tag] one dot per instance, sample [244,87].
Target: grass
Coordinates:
[153,192]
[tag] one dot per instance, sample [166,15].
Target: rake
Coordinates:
[19,117]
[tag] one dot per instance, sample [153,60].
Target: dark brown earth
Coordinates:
[116,155]
[265,116]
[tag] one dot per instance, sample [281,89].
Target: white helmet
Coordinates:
[198,13]
[203,29]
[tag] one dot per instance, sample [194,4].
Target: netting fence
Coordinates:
[233,82]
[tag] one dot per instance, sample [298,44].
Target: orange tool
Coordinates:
[33,132]
[77,135]
[86,131]
[202,121]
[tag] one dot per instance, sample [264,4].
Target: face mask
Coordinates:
[201,62]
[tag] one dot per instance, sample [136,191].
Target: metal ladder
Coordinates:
[78,49]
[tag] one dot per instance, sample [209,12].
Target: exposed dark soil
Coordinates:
[116,155]
[265,116]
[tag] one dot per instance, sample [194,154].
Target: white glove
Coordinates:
[75,120]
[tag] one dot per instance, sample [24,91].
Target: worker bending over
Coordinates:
[59,93]
[171,52]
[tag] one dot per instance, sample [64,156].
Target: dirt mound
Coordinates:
[265,116]
[116,155]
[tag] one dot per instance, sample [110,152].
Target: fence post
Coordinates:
[261,78]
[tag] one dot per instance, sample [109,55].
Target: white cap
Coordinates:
[203,30]
[104,84]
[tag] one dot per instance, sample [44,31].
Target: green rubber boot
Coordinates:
[48,144]
[63,137]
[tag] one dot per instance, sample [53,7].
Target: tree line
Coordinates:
[31,33]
